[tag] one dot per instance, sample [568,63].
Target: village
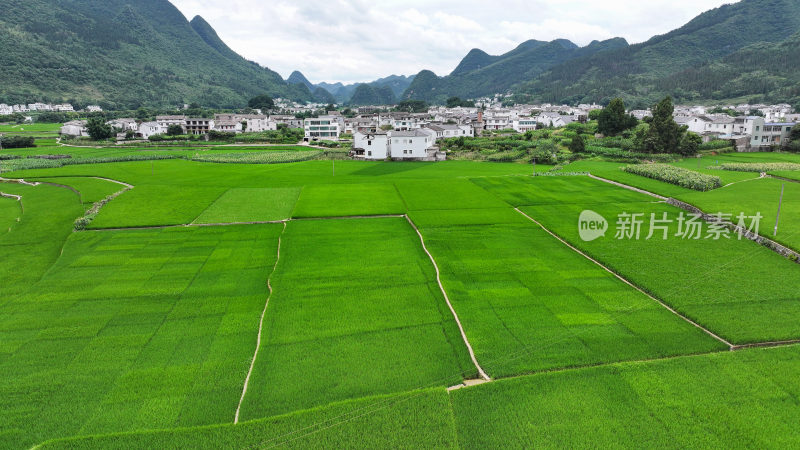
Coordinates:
[382,132]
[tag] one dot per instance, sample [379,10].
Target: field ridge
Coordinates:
[260,327]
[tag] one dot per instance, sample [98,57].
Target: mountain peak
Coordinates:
[298,78]
[475,59]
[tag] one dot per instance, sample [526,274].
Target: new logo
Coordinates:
[591,225]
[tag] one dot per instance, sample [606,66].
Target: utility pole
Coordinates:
[780,203]
[534,166]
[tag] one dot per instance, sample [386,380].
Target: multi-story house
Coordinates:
[321,128]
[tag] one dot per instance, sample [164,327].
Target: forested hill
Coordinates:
[482,74]
[703,60]
[123,54]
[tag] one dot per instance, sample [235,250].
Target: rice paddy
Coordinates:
[141,331]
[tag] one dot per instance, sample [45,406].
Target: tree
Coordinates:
[663,135]
[412,106]
[794,135]
[595,114]
[174,130]
[455,102]
[690,143]
[98,129]
[142,114]
[613,120]
[577,145]
[262,102]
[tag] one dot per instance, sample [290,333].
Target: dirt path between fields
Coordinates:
[14,196]
[260,328]
[763,175]
[18,181]
[483,374]
[619,277]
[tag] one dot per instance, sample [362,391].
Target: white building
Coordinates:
[289,121]
[124,124]
[446,131]
[371,145]
[165,121]
[413,145]
[523,125]
[696,124]
[65,107]
[771,134]
[147,129]
[39,107]
[259,123]
[75,128]
[94,108]
[6,110]
[322,128]
[228,126]
[497,123]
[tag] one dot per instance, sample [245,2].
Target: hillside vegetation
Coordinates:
[123,54]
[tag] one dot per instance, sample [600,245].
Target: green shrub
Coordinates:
[17,142]
[715,144]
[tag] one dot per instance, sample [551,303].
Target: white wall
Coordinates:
[376,146]
[410,147]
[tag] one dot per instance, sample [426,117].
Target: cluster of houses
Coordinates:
[231,123]
[6,110]
[380,134]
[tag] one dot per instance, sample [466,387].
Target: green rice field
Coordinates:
[349,304]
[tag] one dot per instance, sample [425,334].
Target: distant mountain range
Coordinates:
[126,54]
[481,74]
[746,51]
[374,94]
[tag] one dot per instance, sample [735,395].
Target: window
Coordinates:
[369,142]
[369,153]
[758,128]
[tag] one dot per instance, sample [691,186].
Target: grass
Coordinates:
[134,330]
[522,191]
[758,196]
[35,242]
[446,194]
[143,338]
[10,212]
[726,400]
[251,205]
[723,400]
[421,419]
[735,288]
[349,200]
[529,303]
[91,189]
[153,205]
[352,317]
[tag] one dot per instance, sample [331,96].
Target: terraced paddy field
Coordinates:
[399,305]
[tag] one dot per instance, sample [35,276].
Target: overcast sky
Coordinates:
[361,40]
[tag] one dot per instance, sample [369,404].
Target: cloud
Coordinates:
[357,40]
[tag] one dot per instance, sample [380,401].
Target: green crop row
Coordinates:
[676,175]
[260,157]
[759,167]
